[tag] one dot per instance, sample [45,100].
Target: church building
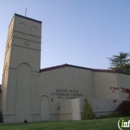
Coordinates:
[54,93]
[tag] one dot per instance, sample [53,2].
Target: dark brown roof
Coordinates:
[27,18]
[95,70]
[104,70]
[53,67]
[67,65]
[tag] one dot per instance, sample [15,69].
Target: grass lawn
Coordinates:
[97,124]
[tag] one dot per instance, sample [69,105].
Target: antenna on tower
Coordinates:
[25,12]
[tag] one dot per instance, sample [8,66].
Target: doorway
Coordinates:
[44,108]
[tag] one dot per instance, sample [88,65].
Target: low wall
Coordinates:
[70,109]
[103,106]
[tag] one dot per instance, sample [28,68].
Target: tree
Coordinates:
[120,62]
[124,108]
[88,113]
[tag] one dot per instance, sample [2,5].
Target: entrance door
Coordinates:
[44,108]
[76,109]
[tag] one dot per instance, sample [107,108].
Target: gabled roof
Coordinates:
[68,65]
[74,66]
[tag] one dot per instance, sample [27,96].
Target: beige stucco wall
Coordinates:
[70,109]
[65,111]
[26,43]
[123,81]
[66,79]
[103,105]
[22,63]
[106,100]
[102,83]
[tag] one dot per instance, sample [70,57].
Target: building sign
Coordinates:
[66,94]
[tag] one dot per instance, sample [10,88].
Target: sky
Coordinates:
[77,32]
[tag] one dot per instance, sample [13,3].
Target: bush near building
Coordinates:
[88,113]
[124,108]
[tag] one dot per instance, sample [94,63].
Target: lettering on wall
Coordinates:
[66,94]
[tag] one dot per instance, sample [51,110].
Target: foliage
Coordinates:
[88,113]
[124,108]
[120,63]
[124,90]
[111,115]
[100,124]
[1,117]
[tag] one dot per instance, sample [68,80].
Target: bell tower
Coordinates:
[21,65]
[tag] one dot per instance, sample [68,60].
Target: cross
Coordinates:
[25,12]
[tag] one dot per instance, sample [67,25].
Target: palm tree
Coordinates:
[120,62]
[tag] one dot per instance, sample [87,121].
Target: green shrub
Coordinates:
[111,115]
[88,113]
[124,108]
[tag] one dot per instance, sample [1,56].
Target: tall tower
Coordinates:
[21,65]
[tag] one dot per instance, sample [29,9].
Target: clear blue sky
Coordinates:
[77,32]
